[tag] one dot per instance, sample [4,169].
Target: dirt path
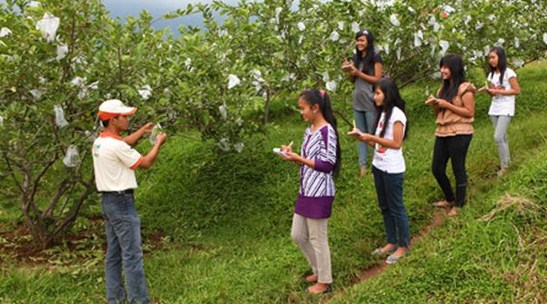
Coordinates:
[380,267]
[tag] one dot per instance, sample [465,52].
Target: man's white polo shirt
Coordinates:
[114,162]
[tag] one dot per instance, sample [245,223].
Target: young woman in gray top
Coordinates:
[365,71]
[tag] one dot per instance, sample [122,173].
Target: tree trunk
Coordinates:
[267,107]
[44,226]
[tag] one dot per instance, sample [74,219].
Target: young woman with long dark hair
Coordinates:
[455,111]
[388,167]
[319,163]
[365,71]
[503,86]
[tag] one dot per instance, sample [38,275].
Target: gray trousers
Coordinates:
[311,236]
[500,136]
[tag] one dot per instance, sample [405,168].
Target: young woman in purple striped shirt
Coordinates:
[388,166]
[319,162]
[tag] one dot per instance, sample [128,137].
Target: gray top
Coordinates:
[363,94]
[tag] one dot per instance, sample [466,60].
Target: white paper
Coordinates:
[500,42]
[62,51]
[72,157]
[60,120]
[48,25]
[223,111]
[4,32]
[331,85]
[449,9]
[393,19]
[279,152]
[355,27]
[233,81]
[78,81]
[517,62]
[154,134]
[334,36]
[224,145]
[444,46]
[145,92]
[239,147]
[36,94]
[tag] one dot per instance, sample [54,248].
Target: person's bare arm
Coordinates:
[149,159]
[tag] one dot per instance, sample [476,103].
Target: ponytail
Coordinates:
[320,97]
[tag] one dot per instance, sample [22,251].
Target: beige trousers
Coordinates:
[311,236]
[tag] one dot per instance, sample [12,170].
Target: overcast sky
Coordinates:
[156,7]
[123,8]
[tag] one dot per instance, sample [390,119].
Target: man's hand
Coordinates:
[148,127]
[161,138]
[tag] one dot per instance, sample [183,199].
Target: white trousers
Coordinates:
[311,236]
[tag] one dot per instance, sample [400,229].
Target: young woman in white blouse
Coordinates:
[388,167]
[502,85]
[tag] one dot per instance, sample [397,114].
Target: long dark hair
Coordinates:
[321,98]
[392,98]
[502,62]
[368,59]
[450,87]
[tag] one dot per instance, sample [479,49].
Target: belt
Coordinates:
[127,191]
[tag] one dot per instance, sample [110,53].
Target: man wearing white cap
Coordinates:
[114,162]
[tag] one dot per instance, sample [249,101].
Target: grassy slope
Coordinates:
[495,251]
[228,220]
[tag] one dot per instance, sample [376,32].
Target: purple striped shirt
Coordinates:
[317,190]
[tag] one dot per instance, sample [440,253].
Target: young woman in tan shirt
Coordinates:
[455,110]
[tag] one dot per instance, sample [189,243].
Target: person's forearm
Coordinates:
[151,157]
[462,111]
[366,77]
[308,162]
[508,92]
[385,142]
[133,138]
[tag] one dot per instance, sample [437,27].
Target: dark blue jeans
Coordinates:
[453,148]
[123,236]
[389,189]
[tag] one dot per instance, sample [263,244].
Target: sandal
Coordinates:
[453,211]
[393,259]
[313,290]
[378,251]
[443,204]
[312,278]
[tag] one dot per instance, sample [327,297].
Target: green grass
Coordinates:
[226,223]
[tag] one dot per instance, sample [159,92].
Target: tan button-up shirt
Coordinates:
[450,123]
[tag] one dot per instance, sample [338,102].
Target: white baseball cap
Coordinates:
[114,107]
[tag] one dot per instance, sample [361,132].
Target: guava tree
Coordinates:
[46,104]
[59,61]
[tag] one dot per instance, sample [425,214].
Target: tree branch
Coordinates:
[416,76]
[11,171]
[72,217]
[63,187]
